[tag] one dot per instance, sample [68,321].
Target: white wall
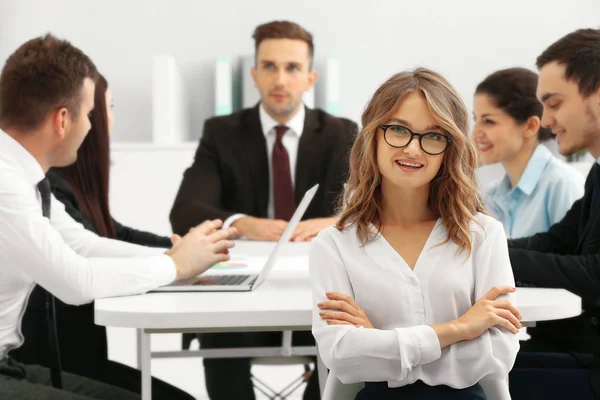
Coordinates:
[465,40]
[144,181]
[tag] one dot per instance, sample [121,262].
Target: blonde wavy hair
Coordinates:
[453,195]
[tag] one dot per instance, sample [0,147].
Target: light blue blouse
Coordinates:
[544,194]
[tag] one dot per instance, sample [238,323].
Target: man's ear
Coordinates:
[253,73]
[312,79]
[61,121]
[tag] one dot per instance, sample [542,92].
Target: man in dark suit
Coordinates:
[252,169]
[557,362]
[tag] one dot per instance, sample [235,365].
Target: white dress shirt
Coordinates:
[60,255]
[290,140]
[401,304]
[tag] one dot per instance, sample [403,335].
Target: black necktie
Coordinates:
[283,191]
[55,368]
[595,186]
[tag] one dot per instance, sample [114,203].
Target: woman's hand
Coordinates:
[488,312]
[342,310]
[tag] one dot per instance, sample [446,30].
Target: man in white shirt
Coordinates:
[46,94]
[253,167]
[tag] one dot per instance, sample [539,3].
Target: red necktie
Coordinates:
[283,192]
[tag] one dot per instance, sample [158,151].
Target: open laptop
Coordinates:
[240,282]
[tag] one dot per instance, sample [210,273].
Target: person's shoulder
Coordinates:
[12,179]
[484,225]
[330,233]
[329,121]
[559,173]
[334,237]
[485,220]
[494,187]
[62,190]
[58,183]
[227,123]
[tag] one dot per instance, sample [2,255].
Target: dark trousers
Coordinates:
[229,378]
[29,382]
[125,377]
[83,348]
[419,391]
[540,372]
[549,376]
[122,376]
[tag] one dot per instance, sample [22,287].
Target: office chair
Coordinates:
[260,385]
[290,388]
[336,390]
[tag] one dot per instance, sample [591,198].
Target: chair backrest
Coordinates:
[336,390]
[495,389]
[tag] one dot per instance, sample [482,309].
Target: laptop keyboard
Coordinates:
[226,280]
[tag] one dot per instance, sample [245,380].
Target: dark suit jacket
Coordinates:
[83,346]
[568,257]
[230,173]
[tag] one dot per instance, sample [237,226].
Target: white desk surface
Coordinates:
[283,301]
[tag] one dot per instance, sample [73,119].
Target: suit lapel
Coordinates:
[310,155]
[255,148]
[589,214]
[591,222]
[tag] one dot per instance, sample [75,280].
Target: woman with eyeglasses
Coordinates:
[538,189]
[413,287]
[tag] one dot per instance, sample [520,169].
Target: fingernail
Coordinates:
[321,314]
[320,305]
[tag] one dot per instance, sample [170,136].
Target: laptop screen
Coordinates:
[287,233]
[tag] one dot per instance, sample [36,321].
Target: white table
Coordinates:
[282,303]
[537,304]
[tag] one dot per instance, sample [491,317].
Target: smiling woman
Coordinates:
[414,265]
[538,188]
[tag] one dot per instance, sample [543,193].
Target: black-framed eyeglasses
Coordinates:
[399,136]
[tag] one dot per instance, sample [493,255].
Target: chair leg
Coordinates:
[291,388]
[263,388]
[283,393]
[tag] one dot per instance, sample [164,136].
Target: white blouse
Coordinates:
[401,304]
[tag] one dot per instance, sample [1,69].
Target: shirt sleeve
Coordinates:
[492,354]
[229,221]
[89,244]
[64,258]
[359,354]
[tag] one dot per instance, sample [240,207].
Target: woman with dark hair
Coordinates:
[83,189]
[538,188]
